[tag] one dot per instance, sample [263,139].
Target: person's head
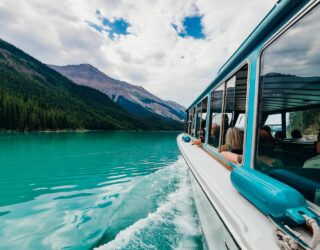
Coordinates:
[267,128]
[225,121]
[215,129]
[296,134]
[279,135]
[234,138]
[265,142]
[265,138]
[202,136]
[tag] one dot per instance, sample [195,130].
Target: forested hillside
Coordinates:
[36,97]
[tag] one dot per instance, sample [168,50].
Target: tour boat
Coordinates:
[252,138]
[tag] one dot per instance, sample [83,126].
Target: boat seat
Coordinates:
[304,180]
[294,154]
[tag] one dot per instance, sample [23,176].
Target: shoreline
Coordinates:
[82,131]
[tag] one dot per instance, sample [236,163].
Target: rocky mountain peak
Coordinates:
[134,99]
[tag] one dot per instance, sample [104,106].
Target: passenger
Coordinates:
[297,136]
[200,133]
[202,136]
[314,162]
[197,142]
[203,130]
[215,135]
[279,136]
[268,129]
[225,122]
[265,156]
[203,124]
[234,141]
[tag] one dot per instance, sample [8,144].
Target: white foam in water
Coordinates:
[174,219]
[40,188]
[63,187]
[118,210]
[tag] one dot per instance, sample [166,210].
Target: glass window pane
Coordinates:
[198,121]
[216,116]
[229,106]
[233,120]
[201,119]
[191,126]
[240,123]
[290,85]
[273,123]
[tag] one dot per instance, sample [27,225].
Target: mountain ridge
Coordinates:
[133,98]
[36,97]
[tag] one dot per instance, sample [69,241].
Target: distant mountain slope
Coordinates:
[36,97]
[134,99]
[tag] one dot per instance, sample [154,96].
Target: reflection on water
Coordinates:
[80,190]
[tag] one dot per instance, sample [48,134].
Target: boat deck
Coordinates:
[249,227]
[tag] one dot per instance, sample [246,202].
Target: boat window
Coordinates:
[240,123]
[288,132]
[215,116]
[273,123]
[186,123]
[234,112]
[301,121]
[228,107]
[203,117]
[191,123]
[198,121]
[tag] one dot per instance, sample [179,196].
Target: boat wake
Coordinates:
[153,211]
[171,223]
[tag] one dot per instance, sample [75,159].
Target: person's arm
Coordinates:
[231,157]
[197,142]
[223,148]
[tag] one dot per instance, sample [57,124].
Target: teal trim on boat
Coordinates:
[272,197]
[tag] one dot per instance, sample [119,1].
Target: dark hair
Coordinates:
[266,142]
[296,134]
[279,135]
[203,124]
[267,128]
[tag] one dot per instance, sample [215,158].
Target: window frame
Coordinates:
[208,147]
[222,106]
[200,104]
[193,109]
[256,112]
[202,100]
[197,123]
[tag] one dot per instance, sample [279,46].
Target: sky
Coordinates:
[172,48]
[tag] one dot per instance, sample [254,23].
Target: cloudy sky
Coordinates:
[172,48]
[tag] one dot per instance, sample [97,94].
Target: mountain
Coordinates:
[132,98]
[35,97]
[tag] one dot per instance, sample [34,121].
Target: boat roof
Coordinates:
[281,11]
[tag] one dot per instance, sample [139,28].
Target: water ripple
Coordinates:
[88,190]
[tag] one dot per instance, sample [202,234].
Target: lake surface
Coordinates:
[111,190]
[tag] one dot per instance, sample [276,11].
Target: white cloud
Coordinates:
[152,55]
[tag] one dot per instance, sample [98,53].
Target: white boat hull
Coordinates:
[228,220]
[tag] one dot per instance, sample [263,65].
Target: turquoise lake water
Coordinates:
[106,190]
